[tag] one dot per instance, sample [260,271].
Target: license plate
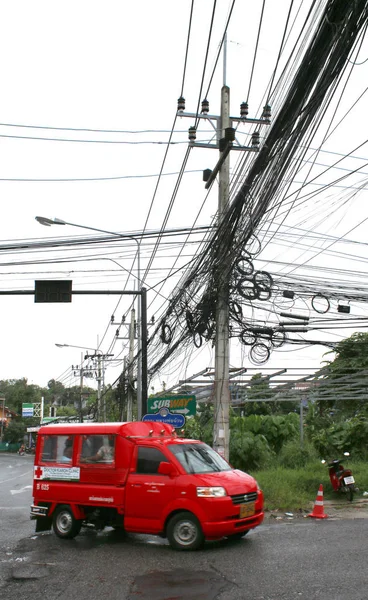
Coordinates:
[247,510]
[349,480]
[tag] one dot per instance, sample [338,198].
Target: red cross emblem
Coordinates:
[38,472]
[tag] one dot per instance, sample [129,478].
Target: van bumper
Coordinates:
[38,511]
[215,530]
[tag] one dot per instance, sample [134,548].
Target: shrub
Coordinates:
[249,451]
[292,456]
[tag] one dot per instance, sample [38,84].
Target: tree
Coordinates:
[343,390]
[259,390]
[15,432]
[200,427]
[18,391]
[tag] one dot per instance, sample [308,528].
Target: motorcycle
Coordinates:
[342,479]
[26,450]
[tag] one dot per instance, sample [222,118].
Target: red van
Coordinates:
[140,477]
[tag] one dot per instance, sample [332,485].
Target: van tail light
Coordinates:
[211,492]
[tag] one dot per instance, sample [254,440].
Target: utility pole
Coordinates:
[132,327]
[100,358]
[222,389]
[223,126]
[122,384]
[2,419]
[81,390]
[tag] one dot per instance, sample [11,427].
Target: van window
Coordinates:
[149,459]
[199,458]
[57,448]
[98,449]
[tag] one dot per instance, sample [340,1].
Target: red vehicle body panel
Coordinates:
[146,500]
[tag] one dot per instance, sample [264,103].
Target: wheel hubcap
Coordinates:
[64,522]
[185,532]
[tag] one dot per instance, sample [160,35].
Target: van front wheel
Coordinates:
[64,523]
[184,532]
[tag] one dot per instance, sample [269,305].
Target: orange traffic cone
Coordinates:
[317,511]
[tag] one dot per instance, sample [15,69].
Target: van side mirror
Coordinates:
[166,468]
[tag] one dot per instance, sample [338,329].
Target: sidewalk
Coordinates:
[342,509]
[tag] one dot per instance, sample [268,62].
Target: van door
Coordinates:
[148,493]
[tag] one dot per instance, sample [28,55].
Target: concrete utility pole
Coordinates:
[130,367]
[81,390]
[226,141]
[222,389]
[100,357]
[2,419]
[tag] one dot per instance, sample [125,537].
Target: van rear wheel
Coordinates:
[184,532]
[64,523]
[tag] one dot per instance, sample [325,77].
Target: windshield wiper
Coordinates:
[207,458]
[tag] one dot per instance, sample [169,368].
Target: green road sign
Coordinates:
[185,405]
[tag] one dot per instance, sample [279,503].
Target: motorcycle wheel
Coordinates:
[350,492]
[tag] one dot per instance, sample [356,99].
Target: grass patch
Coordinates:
[293,489]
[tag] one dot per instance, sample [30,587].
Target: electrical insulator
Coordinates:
[266,112]
[181,103]
[192,134]
[255,139]
[205,107]
[153,320]
[112,318]
[123,319]
[117,332]
[244,110]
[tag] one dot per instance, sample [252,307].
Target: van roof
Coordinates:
[128,429]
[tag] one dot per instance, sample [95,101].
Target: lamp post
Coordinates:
[140,367]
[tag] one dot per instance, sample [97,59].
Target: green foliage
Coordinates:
[200,427]
[258,390]
[15,432]
[351,354]
[254,440]
[346,381]
[249,451]
[291,489]
[18,391]
[343,436]
[275,428]
[66,411]
[293,456]
[295,489]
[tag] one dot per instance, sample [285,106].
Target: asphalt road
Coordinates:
[298,559]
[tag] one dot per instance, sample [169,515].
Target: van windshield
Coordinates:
[199,458]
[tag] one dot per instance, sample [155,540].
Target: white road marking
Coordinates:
[26,487]
[18,477]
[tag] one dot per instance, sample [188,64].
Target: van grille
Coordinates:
[243,498]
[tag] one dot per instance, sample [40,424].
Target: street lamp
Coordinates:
[71,346]
[48,222]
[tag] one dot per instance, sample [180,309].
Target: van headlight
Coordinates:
[211,492]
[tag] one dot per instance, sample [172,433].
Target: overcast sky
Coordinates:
[117,67]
